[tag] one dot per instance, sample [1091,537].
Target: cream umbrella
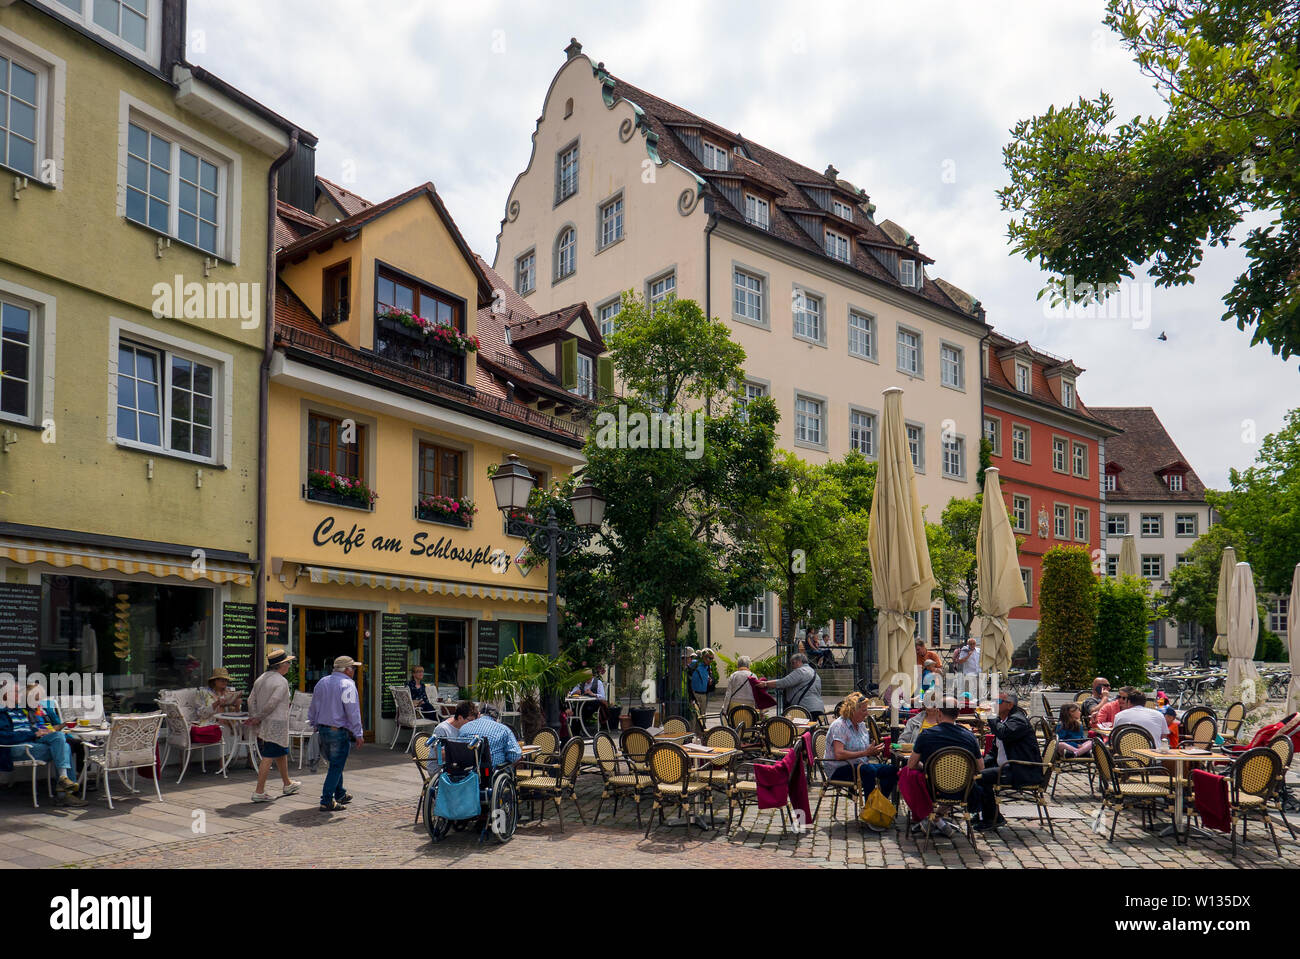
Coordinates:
[1293,641]
[1227,567]
[1001,588]
[1128,559]
[902,580]
[1243,631]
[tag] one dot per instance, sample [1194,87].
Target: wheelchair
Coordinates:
[498,798]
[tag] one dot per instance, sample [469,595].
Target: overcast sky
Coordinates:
[911,102]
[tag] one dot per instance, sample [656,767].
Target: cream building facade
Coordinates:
[627,191]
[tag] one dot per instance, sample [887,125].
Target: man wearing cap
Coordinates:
[268,713]
[336,713]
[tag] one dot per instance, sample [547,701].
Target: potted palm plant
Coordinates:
[523,679]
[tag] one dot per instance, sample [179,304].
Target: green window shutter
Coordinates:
[604,377]
[569,363]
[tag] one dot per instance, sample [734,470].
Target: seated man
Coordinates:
[1107,712]
[21,726]
[923,719]
[595,688]
[947,733]
[450,729]
[1100,696]
[1013,738]
[500,737]
[1140,714]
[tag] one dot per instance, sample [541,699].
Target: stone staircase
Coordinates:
[837,682]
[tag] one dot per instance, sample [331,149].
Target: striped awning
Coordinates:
[102,559]
[353,577]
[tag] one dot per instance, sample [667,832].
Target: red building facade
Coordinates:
[1049,450]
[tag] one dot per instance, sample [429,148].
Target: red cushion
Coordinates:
[205,734]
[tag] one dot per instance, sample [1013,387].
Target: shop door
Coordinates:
[325,634]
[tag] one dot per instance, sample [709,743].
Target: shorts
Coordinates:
[271,750]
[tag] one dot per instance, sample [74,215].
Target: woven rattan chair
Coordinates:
[1203,733]
[555,781]
[1035,792]
[950,776]
[1126,789]
[420,752]
[618,776]
[797,712]
[720,773]
[132,743]
[676,726]
[747,722]
[1063,763]
[779,736]
[1187,722]
[1233,717]
[1047,706]
[1043,728]
[549,740]
[1082,696]
[635,743]
[1285,750]
[670,770]
[1253,785]
[1125,741]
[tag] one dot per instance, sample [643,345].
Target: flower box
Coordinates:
[338,490]
[433,333]
[445,509]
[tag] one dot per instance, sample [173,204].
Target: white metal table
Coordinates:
[245,738]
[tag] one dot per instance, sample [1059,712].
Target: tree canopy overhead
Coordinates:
[1093,201]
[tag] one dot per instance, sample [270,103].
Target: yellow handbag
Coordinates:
[878,811]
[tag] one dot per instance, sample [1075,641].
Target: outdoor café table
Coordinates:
[698,755]
[245,738]
[681,739]
[576,712]
[1178,757]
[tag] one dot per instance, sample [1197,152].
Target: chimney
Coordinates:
[573,49]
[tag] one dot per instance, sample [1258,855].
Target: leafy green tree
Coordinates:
[952,555]
[1067,600]
[1093,200]
[856,476]
[1120,645]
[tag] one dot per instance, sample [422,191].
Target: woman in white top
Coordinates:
[268,713]
[738,689]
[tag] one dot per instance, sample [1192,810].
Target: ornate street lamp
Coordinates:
[511,485]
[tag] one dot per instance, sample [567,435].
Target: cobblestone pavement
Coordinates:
[377,830]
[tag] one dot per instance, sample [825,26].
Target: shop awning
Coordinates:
[353,577]
[103,559]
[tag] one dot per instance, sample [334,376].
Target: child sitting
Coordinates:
[1071,738]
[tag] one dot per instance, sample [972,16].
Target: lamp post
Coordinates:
[511,485]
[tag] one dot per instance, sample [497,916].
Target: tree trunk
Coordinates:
[672,698]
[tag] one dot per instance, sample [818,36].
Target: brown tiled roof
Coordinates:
[343,198]
[783,175]
[292,224]
[1144,448]
[1040,389]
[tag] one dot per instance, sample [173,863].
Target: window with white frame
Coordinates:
[953,628]
[1152,524]
[1061,521]
[952,369]
[837,245]
[1020,444]
[662,288]
[125,23]
[1058,454]
[807,316]
[1153,566]
[918,624]
[1020,513]
[1080,457]
[862,335]
[1022,378]
[715,157]
[1112,565]
[748,301]
[611,222]
[1081,524]
[842,210]
[1182,559]
[862,432]
[1027,577]
[1108,483]
[526,273]
[757,211]
[909,352]
[586,380]
[993,433]
[566,173]
[751,392]
[166,400]
[176,189]
[1185,524]
[1117,524]
[605,314]
[808,424]
[752,617]
[916,445]
[19,347]
[1175,482]
[24,110]
[1067,394]
[907,272]
[1279,610]
[954,457]
[566,253]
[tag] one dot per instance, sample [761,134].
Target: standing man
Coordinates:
[967,658]
[806,686]
[336,713]
[268,712]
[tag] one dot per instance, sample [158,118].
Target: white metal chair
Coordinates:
[406,716]
[300,730]
[132,740]
[34,763]
[179,733]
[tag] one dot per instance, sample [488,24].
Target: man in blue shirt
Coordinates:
[336,713]
[31,734]
[500,738]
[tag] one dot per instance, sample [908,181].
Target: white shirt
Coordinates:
[594,687]
[970,665]
[1152,720]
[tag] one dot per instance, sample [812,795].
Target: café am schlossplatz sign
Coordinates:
[352,538]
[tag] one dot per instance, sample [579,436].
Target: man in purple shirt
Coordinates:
[336,713]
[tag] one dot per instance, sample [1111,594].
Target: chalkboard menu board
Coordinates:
[239,643]
[936,625]
[277,624]
[20,626]
[489,644]
[839,632]
[394,640]
[785,624]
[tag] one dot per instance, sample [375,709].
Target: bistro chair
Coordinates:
[407,717]
[676,726]
[1253,784]
[1123,789]
[1033,791]
[743,793]
[1043,728]
[1202,734]
[1233,717]
[421,750]
[670,771]
[549,740]
[635,743]
[1047,706]
[779,737]
[617,784]
[1187,722]
[23,758]
[179,735]
[1125,741]
[1285,750]
[1064,763]
[950,776]
[720,773]
[301,731]
[797,712]
[1082,696]
[747,722]
[132,742]
[555,782]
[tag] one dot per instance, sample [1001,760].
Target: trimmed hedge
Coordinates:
[1120,646]
[1067,599]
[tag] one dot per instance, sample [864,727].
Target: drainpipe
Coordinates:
[263,394]
[708,312]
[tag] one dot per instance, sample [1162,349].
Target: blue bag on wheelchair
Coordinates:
[457,796]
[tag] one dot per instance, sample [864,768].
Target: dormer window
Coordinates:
[1175,482]
[907,272]
[715,157]
[757,211]
[1022,377]
[837,245]
[1109,485]
[1067,394]
[842,210]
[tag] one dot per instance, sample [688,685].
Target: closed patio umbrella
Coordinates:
[1001,588]
[1128,559]
[1293,641]
[1243,630]
[1227,567]
[902,580]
